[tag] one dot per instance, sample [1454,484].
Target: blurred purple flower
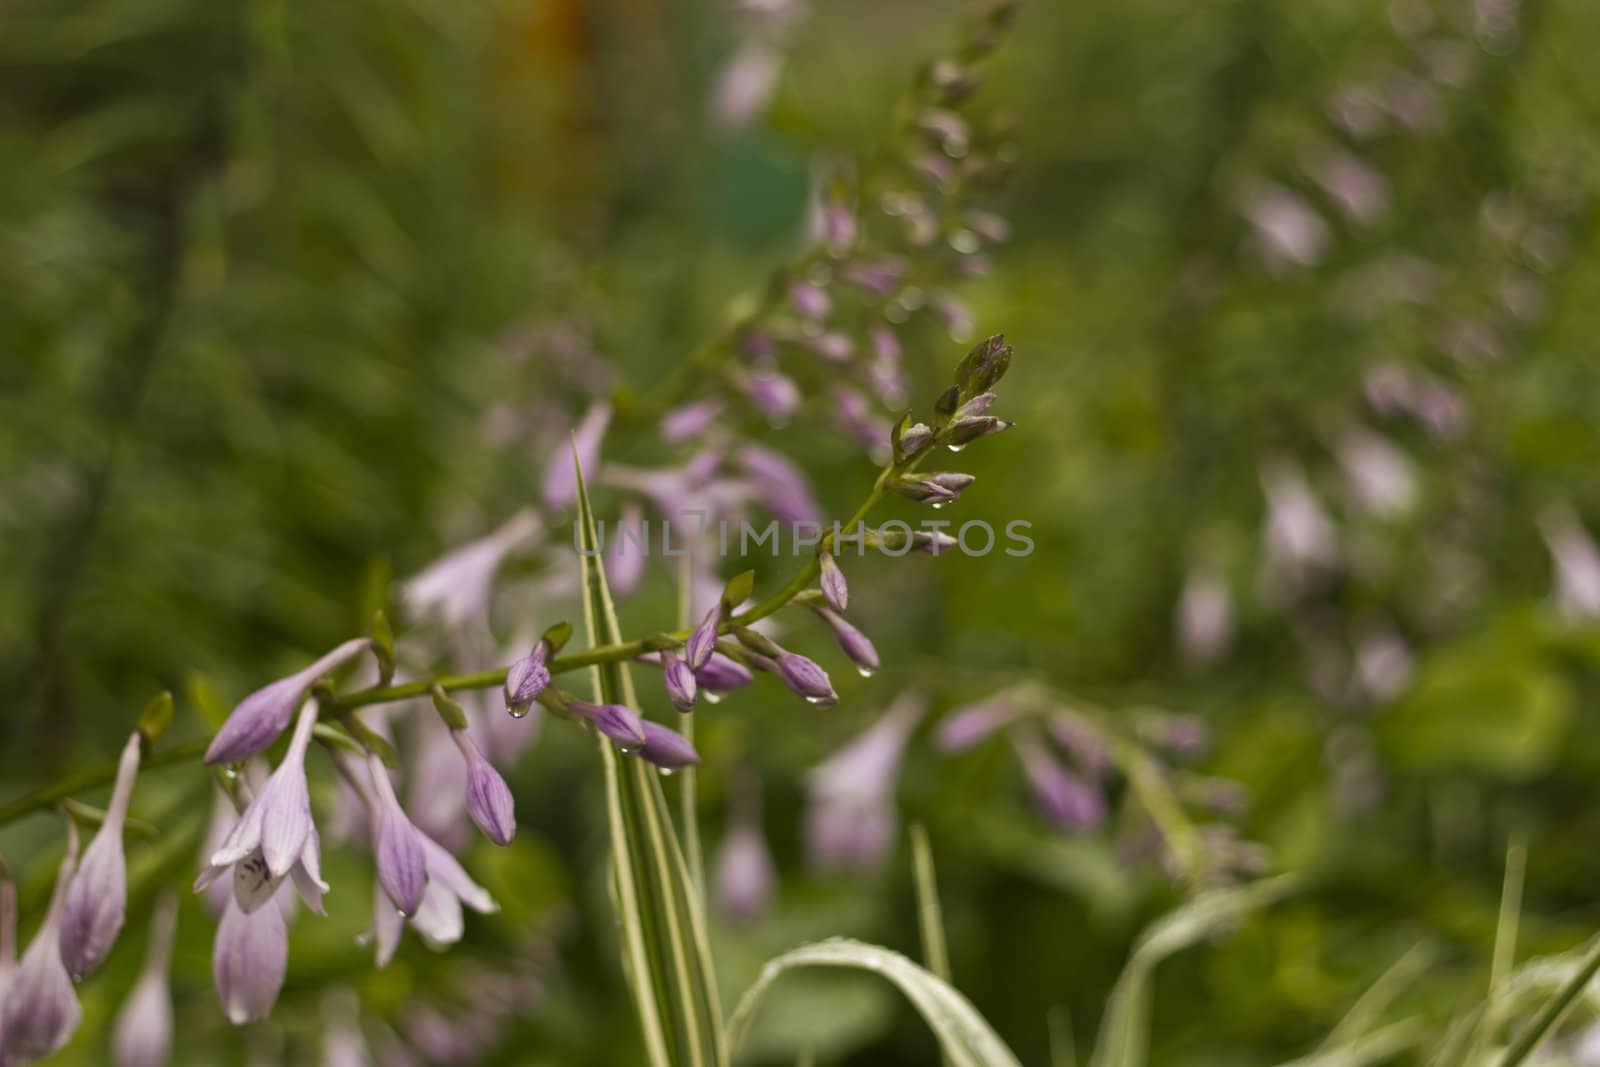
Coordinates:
[970,726]
[851,817]
[745,84]
[690,421]
[97,896]
[259,718]
[1288,229]
[41,1009]
[560,477]
[1577,564]
[142,1035]
[1381,477]
[744,877]
[782,487]
[774,395]
[629,547]
[1204,617]
[1067,800]
[458,587]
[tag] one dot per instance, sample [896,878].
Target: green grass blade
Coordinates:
[664,947]
[964,1036]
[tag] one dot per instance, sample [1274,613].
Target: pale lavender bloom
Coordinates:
[915,438]
[1381,476]
[249,960]
[1413,102]
[342,1042]
[782,487]
[851,817]
[560,477]
[458,587]
[527,678]
[224,816]
[1204,617]
[833,346]
[142,1036]
[1286,226]
[722,674]
[877,276]
[97,896]
[1358,110]
[625,562]
[745,84]
[1299,536]
[667,748]
[1065,799]
[975,723]
[703,641]
[811,301]
[833,225]
[1082,739]
[41,1010]
[619,724]
[805,678]
[834,586]
[1577,564]
[436,785]
[679,679]
[275,837]
[1182,735]
[690,420]
[1383,664]
[1360,191]
[852,642]
[488,797]
[744,876]
[259,718]
[439,920]
[396,845]
[773,394]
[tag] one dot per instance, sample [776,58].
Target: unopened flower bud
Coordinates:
[666,748]
[679,679]
[833,583]
[703,642]
[489,800]
[811,301]
[921,490]
[743,874]
[690,420]
[97,896]
[397,845]
[41,1009]
[260,717]
[774,395]
[619,724]
[915,439]
[964,431]
[527,678]
[249,960]
[1061,796]
[722,674]
[807,679]
[852,642]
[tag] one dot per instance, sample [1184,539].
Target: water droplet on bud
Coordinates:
[667,772]
[865,672]
[711,697]
[816,700]
[956,448]
[939,505]
[518,713]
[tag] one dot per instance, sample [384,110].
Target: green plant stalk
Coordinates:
[1553,1012]
[618,652]
[687,789]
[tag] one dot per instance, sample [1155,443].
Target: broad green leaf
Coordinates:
[664,947]
[1125,1034]
[964,1036]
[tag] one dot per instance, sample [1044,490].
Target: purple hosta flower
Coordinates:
[142,1036]
[803,677]
[342,1042]
[527,678]
[1289,231]
[630,541]
[1381,476]
[456,589]
[852,642]
[833,346]
[722,674]
[967,429]
[744,877]
[1299,536]
[249,960]
[1204,621]
[1383,665]
[679,679]
[488,797]
[703,641]
[97,896]
[560,479]
[851,818]
[1413,102]
[1577,564]
[620,725]
[396,845]
[1080,738]
[868,429]
[259,718]
[436,785]
[774,395]
[667,748]
[1358,189]
[781,487]
[810,300]
[1182,735]
[833,225]
[275,837]
[970,726]
[1067,800]
[690,421]
[880,277]
[41,1010]
[745,84]
[439,918]
[224,816]
[915,439]
[936,489]
[834,586]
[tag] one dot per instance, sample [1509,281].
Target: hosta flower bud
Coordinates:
[488,797]
[722,674]
[851,816]
[397,845]
[41,1009]
[527,678]
[1061,796]
[619,724]
[984,366]
[690,420]
[248,961]
[852,642]
[625,557]
[969,726]
[744,876]
[915,439]
[457,588]
[142,1036]
[666,748]
[921,490]
[782,487]
[774,396]
[97,896]
[806,678]
[978,405]
[561,477]
[679,679]
[260,717]
[963,431]
[703,642]
[811,301]
[833,583]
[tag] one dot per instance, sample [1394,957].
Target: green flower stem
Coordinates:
[57,791]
